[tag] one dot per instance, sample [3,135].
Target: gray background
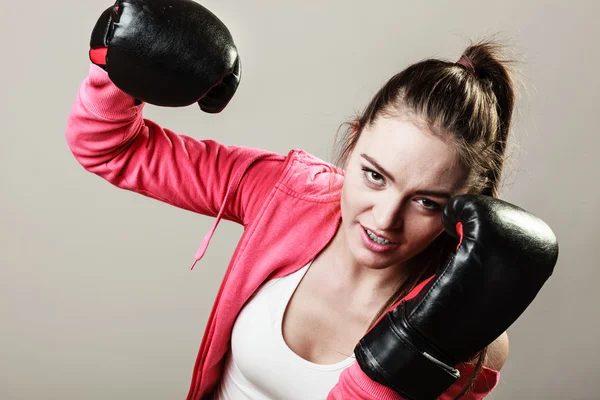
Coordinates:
[96,298]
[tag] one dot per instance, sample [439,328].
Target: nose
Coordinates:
[388,215]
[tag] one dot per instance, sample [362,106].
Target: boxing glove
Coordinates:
[504,257]
[169,53]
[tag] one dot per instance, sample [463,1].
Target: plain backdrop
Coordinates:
[96,297]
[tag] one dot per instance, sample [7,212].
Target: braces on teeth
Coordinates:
[376,238]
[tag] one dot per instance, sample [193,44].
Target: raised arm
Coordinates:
[109,137]
[173,55]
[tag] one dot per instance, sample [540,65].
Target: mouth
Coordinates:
[379,239]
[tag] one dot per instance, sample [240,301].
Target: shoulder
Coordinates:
[497,353]
[310,177]
[300,157]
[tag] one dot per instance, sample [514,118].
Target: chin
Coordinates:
[372,260]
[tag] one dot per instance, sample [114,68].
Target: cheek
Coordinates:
[355,198]
[423,229]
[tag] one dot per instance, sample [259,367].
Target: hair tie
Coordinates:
[466,62]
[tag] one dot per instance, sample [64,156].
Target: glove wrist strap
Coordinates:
[388,355]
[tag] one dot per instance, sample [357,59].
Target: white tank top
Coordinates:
[260,365]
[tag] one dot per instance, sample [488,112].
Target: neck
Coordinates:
[365,282]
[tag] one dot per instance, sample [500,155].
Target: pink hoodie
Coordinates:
[289,207]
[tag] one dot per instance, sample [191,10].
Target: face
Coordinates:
[398,179]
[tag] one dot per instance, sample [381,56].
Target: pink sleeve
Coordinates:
[355,384]
[109,137]
[485,382]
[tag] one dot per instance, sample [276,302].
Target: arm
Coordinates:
[355,384]
[109,137]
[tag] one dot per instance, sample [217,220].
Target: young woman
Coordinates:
[391,274]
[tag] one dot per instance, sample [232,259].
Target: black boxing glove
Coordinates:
[168,53]
[504,257]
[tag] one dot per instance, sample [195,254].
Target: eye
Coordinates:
[373,177]
[429,204]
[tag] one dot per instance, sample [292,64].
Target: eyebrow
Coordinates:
[434,193]
[379,167]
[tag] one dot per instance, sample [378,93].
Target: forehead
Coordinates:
[411,153]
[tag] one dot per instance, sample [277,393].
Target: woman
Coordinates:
[327,249]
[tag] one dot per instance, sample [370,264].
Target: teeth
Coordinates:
[376,238]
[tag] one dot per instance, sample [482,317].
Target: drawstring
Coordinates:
[208,236]
[206,240]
